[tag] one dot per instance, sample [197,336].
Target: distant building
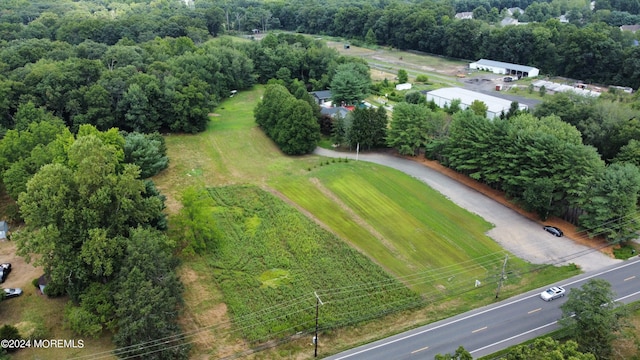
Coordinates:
[514,10]
[626,89]
[495,105]
[509,21]
[332,112]
[552,87]
[322,96]
[632,28]
[499,67]
[464,15]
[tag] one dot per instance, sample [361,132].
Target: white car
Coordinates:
[553,293]
[12,292]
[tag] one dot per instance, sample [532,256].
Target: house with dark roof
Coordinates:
[332,112]
[321,96]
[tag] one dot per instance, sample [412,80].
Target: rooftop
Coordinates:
[494,104]
[500,64]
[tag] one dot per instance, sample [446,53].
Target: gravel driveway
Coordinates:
[516,233]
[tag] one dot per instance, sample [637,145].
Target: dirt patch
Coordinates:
[205,318]
[22,273]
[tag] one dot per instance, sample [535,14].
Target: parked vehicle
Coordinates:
[553,292]
[553,230]
[12,292]
[5,269]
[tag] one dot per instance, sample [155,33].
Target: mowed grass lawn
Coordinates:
[402,224]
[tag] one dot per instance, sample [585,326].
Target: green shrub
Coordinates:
[422,78]
[10,332]
[625,252]
[80,321]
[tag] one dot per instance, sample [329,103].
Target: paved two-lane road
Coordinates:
[489,329]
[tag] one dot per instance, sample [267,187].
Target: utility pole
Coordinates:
[504,266]
[315,338]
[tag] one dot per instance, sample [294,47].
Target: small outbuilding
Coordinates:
[4,230]
[42,283]
[499,67]
[405,86]
[495,105]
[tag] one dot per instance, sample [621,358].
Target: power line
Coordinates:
[411,279]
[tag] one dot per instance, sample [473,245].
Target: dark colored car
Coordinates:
[12,292]
[5,269]
[553,230]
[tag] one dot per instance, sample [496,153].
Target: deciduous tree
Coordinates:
[610,202]
[403,76]
[78,213]
[547,348]
[593,317]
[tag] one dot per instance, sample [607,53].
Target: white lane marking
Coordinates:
[422,349]
[385,343]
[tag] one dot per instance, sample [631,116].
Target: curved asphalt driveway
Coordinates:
[516,233]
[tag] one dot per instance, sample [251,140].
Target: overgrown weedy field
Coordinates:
[271,259]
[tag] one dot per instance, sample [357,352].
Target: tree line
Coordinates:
[97,229]
[586,49]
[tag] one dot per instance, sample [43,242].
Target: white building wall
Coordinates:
[495,70]
[443,97]
[405,86]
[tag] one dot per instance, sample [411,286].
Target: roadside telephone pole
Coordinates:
[504,266]
[315,338]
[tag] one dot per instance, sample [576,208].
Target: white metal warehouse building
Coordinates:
[443,97]
[498,67]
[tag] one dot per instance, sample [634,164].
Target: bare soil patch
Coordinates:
[22,273]
[205,318]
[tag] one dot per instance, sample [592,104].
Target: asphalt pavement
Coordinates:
[517,234]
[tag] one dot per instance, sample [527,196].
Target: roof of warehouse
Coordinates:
[494,104]
[505,65]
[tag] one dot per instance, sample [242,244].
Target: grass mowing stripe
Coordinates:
[420,228]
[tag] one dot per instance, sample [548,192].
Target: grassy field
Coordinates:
[425,241]
[406,227]
[276,257]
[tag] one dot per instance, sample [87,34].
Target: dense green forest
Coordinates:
[590,48]
[86,88]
